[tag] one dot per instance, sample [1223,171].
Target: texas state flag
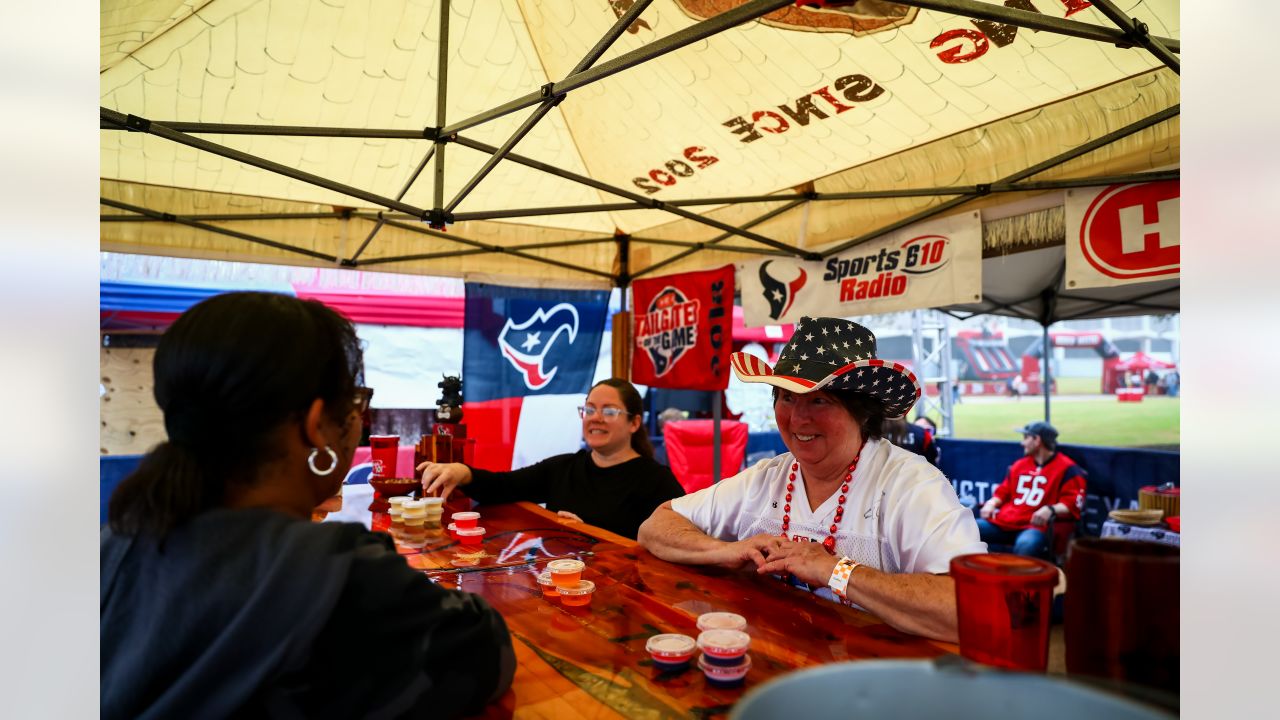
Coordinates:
[528,358]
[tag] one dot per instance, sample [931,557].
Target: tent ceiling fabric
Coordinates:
[841,100]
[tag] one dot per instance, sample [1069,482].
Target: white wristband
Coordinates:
[840,576]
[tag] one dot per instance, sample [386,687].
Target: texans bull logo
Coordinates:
[525,345]
[779,294]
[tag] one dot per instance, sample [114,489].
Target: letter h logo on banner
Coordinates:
[528,353]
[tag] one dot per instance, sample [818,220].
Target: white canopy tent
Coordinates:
[663,136]
[653,135]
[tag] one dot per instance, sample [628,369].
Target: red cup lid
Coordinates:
[671,646]
[466,515]
[724,643]
[544,578]
[1004,568]
[582,587]
[721,621]
[468,532]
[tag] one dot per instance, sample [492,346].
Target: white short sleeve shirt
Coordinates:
[901,515]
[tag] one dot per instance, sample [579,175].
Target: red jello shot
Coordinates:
[725,676]
[453,530]
[721,621]
[578,594]
[549,589]
[470,536]
[566,572]
[671,652]
[724,647]
[466,520]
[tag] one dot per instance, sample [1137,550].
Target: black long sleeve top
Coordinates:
[617,498]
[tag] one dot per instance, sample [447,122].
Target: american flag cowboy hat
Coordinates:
[835,355]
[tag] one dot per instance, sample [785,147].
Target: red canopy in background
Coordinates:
[1143,361]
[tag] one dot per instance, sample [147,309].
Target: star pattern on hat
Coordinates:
[837,362]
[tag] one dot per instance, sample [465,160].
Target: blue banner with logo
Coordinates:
[528,358]
[530,341]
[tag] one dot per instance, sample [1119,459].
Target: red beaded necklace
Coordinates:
[830,543]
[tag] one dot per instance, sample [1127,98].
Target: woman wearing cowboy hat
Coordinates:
[844,513]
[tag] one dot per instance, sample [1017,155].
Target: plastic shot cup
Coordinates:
[452,530]
[578,594]
[434,507]
[549,589]
[671,652]
[383,451]
[721,621]
[566,572]
[413,513]
[395,505]
[725,676]
[723,647]
[467,519]
[470,536]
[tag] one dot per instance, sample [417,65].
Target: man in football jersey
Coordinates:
[1041,485]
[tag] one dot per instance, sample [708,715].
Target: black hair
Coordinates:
[229,373]
[895,431]
[867,411]
[634,405]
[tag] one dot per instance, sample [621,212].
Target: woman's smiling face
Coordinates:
[815,427]
[607,435]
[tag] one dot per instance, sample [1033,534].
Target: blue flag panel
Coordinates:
[530,341]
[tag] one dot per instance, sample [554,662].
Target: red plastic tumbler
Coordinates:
[1004,603]
[384,450]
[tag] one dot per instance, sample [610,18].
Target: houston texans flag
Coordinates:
[683,330]
[528,358]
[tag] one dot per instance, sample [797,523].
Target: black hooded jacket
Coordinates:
[251,613]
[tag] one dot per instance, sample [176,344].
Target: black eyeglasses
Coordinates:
[363,397]
[609,413]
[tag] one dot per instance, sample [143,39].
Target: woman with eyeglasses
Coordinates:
[219,596]
[613,483]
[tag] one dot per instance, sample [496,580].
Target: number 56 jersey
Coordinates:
[1029,486]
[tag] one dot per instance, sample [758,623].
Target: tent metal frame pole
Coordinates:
[720,238]
[692,34]
[653,204]
[230,217]
[431,151]
[1135,302]
[723,248]
[1137,31]
[166,217]
[1048,308]
[199,128]
[484,247]
[1039,167]
[1035,21]
[442,93]
[1047,384]
[831,197]
[549,102]
[139,124]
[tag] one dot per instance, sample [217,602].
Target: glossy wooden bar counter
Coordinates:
[591,662]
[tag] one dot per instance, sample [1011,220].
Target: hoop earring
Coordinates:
[333,461]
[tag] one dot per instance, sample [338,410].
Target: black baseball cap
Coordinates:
[1040,429]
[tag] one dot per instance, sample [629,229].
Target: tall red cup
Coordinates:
[1003,603]
[384,450]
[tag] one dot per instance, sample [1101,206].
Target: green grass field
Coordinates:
[1154,422]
